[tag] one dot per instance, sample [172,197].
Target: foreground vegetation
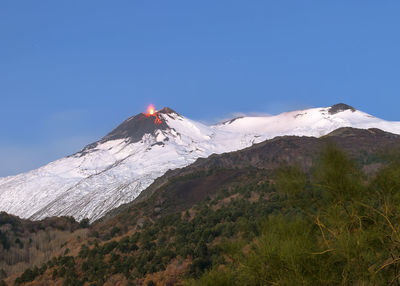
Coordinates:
[337,229]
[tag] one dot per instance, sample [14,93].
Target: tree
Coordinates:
[84,223]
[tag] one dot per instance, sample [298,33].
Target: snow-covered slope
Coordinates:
[117,168]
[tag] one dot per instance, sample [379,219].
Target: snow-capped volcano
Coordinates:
[115,169]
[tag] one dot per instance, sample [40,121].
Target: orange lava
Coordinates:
[152,112]
[150,109]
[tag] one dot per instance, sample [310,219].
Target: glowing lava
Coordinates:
[151,112]
[150,109]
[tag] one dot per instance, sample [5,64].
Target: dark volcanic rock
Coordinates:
[340,107]
[134,128]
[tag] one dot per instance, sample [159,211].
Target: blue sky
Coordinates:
[70,71]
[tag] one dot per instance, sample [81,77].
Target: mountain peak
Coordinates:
[136,126]
[336,108]
[167,110]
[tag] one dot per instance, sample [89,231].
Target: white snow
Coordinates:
[115,172]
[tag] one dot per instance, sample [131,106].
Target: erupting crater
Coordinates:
[152,112]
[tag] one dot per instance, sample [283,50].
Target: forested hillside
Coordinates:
[25,243]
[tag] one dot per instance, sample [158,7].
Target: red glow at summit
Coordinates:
[151,111]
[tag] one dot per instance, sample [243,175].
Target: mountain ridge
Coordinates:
[114,170]
[283,150]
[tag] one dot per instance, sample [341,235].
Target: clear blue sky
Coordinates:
[70,71]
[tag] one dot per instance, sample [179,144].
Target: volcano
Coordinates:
[115,169]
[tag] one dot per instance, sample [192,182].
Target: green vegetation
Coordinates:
[337,228]
[190,236]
